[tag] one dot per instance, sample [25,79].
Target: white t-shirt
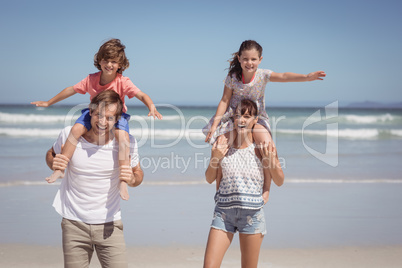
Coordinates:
[89,191]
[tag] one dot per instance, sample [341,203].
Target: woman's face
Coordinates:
[244,122]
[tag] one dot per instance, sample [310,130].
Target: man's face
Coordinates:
[103,119]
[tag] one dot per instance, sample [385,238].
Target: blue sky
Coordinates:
[178,50]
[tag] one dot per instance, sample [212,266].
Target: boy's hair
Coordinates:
[106,98]
[248,105]
[110,50]
[234,64]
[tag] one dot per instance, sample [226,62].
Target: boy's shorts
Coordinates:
[246,221]
[85,120]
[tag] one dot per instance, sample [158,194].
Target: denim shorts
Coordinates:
[85,120]
[246,221]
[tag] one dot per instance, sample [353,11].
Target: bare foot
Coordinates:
[123,190]
[57,174]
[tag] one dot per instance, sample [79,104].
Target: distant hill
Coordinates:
[372,104]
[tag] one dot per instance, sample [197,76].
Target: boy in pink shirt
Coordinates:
[111,61]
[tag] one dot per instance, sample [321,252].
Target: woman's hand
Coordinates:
[268,154]
[219,149]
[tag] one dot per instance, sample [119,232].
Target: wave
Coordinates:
[48,119]
[138,133]
[196,134]
[356,134]
[370,119]
[31,118]
[30,132]
[202,181]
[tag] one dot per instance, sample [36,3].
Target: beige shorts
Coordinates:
[80,240]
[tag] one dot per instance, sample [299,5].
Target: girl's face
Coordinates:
[244,122]
[110,66]
[249,60]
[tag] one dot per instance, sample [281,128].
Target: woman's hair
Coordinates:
[110,50]
[249,106]
[234,64]
[106,98]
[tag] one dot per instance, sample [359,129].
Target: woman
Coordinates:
[240,169]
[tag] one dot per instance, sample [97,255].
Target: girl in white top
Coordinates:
[243,176]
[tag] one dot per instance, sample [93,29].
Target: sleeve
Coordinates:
[229,82]
[130,89]
[267,75]
[82,87]
[135,158]
[61,140]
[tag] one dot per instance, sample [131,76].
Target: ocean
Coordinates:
[321,144]
[342,177]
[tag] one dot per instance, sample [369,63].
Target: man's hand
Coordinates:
[60,162]
[126,175]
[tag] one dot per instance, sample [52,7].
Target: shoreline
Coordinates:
[33,256]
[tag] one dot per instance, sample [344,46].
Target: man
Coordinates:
[88,198]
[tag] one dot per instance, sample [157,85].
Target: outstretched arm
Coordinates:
[64,94]
[149,103]
[293,77]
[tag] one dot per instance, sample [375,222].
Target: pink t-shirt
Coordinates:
[121,85]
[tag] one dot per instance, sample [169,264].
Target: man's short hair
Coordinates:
[104,99]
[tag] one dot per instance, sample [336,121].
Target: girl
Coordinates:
[111,61]
[243,175]
[245,80]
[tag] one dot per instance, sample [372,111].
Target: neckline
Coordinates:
[100,78]
[252,79]
[251,144]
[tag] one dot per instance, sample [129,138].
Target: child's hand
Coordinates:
[153,112]
[40,103]
[316,75]
[210,133]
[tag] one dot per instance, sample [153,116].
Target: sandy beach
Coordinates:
[309,225]
[22,256]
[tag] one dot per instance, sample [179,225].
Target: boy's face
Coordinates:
[110,66]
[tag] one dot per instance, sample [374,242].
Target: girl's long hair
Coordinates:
[234,64]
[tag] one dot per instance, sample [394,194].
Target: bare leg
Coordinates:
[217,245]
[68,149]
[261,135]
[250,245]
[124,155]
